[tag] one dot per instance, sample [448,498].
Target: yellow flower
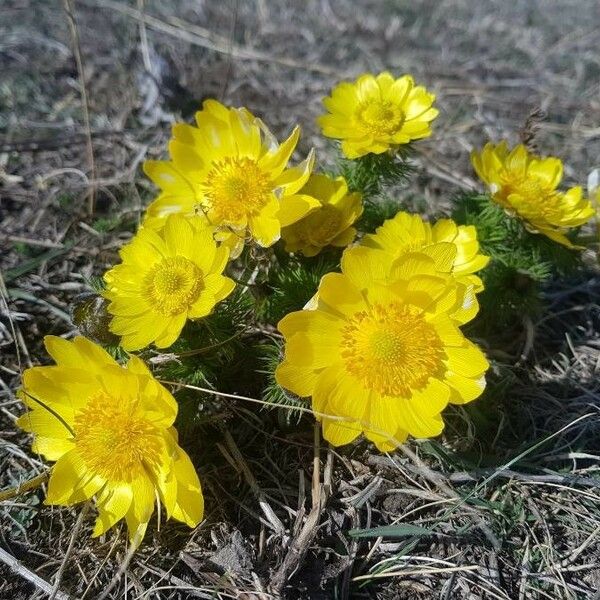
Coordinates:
[328,225]
[454,247]
[231,170]
[376,113]
[110,430]
[526,185]
[381,352]
[165,278]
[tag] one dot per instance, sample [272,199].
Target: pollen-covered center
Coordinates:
[235,189]
[324,224]
[380,117]
[172,285]
[114,440]
[538,199]
[392,349]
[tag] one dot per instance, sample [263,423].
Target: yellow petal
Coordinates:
[70,481]
[113,504]
[179,237]
[265,230]
[465,389]
[275,161]
[468,361]
[299,380]
[141,509]
[293,208]
[340,433]
[338,394]
[364,266]
[172,331]
[51,448]
[189,506]
[339,293]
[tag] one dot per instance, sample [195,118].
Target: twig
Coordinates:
[272,518]
[14,565]
[25,486]
[416,572]
[571,480]
[302,541]
[529,340]
[229,66]
[122,568]
[68,6]
[100,567]
[67,556]
[144,38]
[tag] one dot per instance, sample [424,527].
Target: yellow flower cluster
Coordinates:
[526,185]
[379,349]
[228,181]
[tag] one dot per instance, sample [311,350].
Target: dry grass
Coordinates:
[507,501]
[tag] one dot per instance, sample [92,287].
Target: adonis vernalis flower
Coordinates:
[454,247]
[526,185]
[380,352]
[376,113]
[110,430]
[328,225]
[166,278]
[231,170]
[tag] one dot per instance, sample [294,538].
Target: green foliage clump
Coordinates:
[369,174]
[520,261]
[294,281]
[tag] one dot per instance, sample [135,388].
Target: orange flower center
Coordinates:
[114,441]
[172,285]
[380,117]
[235,189]
[392,349]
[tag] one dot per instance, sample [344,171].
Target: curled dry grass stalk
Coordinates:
[527,466]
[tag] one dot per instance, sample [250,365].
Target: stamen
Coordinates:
[380,117]
[235,189]
[392,349]
[114,440]
[172,285]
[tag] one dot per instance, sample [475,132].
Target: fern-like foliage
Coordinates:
[294,282]
[369,174]
[286,403]
[521,261]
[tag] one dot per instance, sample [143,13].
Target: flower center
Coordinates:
[235,189]
[172,285]
[325,224]
[380,117]
[539,198]
[114,441]
[392,349]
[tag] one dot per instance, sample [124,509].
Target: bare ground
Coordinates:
[528,530]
